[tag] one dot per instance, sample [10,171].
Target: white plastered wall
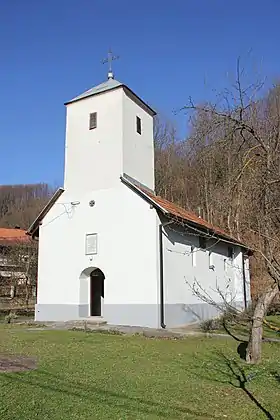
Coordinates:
[127,255]
[187,266]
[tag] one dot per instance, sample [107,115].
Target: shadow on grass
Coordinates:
[276,376]
[229,332]
[236,372]
[242,347]
[231,373]
[55,383]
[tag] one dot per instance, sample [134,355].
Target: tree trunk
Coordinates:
[26,292]
[254,348]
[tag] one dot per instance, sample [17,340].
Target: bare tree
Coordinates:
[20,281]
[244,132]
[20,204]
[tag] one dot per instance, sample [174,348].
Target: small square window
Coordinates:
[138,125]
[92,120]
[202,242]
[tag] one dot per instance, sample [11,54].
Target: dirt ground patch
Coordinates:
[16,363]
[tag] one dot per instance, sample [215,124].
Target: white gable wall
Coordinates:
[127,255]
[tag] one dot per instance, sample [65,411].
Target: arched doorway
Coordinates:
[96,292]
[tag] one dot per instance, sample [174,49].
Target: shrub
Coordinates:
[274,309]
[229,315]
[10,317]
[210,325]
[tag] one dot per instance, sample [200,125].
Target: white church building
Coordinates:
[110,247]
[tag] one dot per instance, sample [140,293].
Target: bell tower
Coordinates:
[109,132]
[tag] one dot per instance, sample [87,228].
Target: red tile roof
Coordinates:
[188,216]
[181,213]
[176,211]
[9,236]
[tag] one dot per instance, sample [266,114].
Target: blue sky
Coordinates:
[52,50]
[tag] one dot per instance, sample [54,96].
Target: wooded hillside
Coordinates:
[20,204]
[228,169]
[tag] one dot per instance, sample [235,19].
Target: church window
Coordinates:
[138,125]
[92,120]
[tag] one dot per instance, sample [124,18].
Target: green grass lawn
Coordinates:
[242,329]
[104,376]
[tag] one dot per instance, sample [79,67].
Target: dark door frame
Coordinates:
[96,292]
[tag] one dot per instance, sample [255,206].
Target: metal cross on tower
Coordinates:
[110,58]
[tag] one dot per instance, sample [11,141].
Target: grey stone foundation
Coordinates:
[56,312]
[175,315]
[183,314]
[134,315]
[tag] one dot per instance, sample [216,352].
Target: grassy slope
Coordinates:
[99,376]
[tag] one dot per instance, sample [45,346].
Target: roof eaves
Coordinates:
[89,95]
[127,90]
[140,192]
[147,107]
[217,234]
[34,226]
[193,224]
